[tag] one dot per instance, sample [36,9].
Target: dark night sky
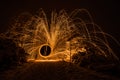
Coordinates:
[104,12]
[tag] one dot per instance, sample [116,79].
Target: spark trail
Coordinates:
[64,35]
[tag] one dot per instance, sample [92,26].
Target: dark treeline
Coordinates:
[11,54]
[99,63]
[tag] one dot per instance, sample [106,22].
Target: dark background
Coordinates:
[104,12]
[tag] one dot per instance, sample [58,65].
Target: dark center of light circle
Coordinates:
[45,50]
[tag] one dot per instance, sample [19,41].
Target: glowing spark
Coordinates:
[64,35]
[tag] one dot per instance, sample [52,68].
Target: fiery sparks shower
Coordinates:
[60,37]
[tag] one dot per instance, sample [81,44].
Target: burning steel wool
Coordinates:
[59,38]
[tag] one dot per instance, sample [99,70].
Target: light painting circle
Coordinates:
[45,50]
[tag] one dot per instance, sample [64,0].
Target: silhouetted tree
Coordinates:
[11,53]
[90,59]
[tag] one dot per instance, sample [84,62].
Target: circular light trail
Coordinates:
[45,50]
